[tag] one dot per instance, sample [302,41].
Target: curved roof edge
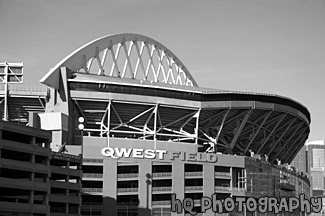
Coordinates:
[77,58]
[90,78]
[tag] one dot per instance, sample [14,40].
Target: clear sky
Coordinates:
[268,46]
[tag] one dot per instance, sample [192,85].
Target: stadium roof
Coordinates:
[130,84]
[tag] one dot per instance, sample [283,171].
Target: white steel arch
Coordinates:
[124,55]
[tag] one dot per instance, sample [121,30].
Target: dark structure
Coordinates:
[33,179]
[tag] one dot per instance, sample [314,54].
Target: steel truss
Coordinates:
[226,130]
[126,55]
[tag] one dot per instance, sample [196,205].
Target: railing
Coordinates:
[163,202]
[127,175]
[238,189]
[193,187]
[26,88]
[222,188]
[193,173]
[92,160]
[162,174]
[92,175]
[169,188]
[92,190]
[121,190]
[92,207]
[222,174]
[197,202]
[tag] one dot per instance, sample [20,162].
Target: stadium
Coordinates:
[145,130]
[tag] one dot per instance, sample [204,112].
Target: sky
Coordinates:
[267,46]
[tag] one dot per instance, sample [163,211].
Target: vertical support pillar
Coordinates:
[33,140]
[109,186]
[208,183]
[231,180]
[178,182]
[145,187]
[155,127]
[31,197]
[108,121]
[32,179]
[5,108]
[197,115]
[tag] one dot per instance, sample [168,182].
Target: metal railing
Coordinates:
[162,174]
[92,190]
[238,189]
[222,188]
[26,88]
[92,175]
[169,188]
[193,173]
[121,190]
[128,175]
[222,174]
[193,187]
[163,202]
[92,160]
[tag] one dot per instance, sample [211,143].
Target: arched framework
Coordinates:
[127,56]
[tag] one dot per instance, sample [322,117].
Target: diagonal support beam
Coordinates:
[298,126]
[235,118]
[150,62]
[101,69]
[161,56]
[282,135]
[214,117]
[266,116]
[80,110]
[234,140]
[134,118]
[139,60]
[114,58]
[219,132]
[180,119]
[170,69]
[297,149]
[293,147]
[272,132]
[127,63]
[116,113]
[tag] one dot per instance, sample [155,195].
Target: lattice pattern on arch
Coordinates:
[137,60]
[126,56]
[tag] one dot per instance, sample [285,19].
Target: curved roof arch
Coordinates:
[131,56]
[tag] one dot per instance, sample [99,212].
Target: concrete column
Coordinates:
[145,187]
[32,158]
[178,182]
[33,140]
[31,178]
[31,197]
[67,208]
[109,186]
[208,184]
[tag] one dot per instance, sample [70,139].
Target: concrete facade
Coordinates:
[34,181]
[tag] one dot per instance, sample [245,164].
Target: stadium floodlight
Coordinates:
[81,127]
[10,73]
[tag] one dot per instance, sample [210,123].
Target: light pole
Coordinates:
[81,128]
[9,73]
